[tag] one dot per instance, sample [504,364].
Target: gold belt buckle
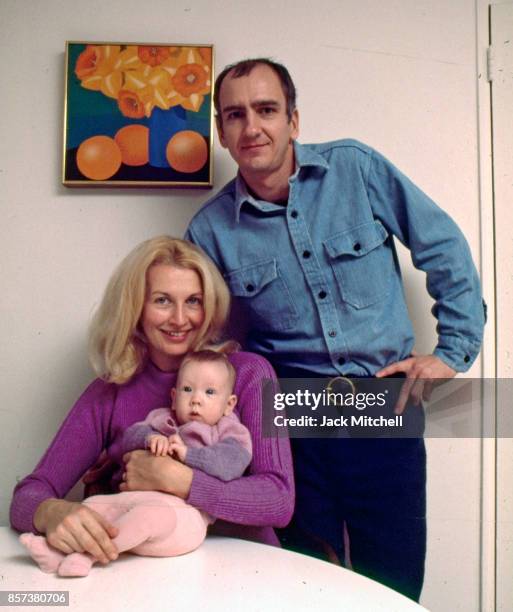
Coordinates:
[330,389]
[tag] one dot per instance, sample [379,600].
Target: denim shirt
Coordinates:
[318,279]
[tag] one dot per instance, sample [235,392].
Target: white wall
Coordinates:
[502,88]
[397,74]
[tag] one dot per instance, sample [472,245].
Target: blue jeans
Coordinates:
[378,488]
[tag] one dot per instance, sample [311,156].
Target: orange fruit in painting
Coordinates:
[187,151]
[98,158]
[133,142]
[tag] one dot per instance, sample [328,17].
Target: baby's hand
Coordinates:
[159,445]
[177,447]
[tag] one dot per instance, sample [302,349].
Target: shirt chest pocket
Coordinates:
[264,295]
[362,263]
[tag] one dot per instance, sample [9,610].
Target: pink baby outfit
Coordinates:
[150,523]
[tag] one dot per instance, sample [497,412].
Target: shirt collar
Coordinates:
[303,155]
[306,155]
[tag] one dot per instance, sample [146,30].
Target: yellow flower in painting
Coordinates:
[154,55]
[190,77]
[101,67]
[88,61]
[179,56]
[130,104]
[141,77]
[206,55]
[190,84]
[151,86]
[128,59]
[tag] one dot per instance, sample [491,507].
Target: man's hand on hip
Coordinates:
[421,373]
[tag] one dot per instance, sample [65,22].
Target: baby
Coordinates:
[200,430]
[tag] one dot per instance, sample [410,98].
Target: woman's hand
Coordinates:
[73,527]
[146,472]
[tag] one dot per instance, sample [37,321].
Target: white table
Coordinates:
[222,575]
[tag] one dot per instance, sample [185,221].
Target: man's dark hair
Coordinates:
[244,67]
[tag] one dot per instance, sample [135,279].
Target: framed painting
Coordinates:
[138,115]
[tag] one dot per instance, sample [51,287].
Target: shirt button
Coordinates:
[357,246]
[306,254]
[322,294]
[341,361]
[466,359]
[250,288]
[332,333]
[294,214]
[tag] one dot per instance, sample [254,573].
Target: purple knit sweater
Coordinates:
[247,507]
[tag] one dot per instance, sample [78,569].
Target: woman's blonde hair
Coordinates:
[117,347]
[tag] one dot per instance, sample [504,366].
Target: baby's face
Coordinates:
[203,393]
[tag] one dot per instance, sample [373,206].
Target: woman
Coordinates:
[164,300]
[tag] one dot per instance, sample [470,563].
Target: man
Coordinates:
[304,237]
